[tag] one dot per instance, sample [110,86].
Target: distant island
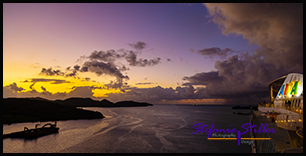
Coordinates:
[17,110]
[88,102]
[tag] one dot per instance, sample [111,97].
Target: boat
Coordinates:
[284,113]
[34,133]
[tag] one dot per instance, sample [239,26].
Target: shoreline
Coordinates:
[82,115]
[29,110]
[20,110]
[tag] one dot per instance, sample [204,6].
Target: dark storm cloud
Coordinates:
[276,28]
[138,45]
[144,94]
[236,78]
[14,87]
[214,51]
[157,94]
[204,78]
[186,92]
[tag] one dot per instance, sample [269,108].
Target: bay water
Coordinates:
[153,129]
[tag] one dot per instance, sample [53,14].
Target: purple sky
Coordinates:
[159,53]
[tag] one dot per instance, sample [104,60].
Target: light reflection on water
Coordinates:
[160,128]
[70,133]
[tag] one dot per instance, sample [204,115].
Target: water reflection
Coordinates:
[141,129]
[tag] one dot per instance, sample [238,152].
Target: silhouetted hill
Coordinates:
[106,103]
[40,109]
[79,102]
[88,102]
[37,109]
[131,103]
[38,98]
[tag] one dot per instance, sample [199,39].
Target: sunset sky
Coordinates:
[157,53]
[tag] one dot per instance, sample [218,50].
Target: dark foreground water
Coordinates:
[158,128]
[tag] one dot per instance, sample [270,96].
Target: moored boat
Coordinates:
[34,133]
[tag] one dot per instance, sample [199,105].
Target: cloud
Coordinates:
[72,74]
[276,28]
[107,56]
[104,63]
[81,59]
[35,80]
[117,84]
[144,94]
[36,65]
[157,94]
[186,92]
[110,56]
[76,67]
[77,91]
[50,72]
[132,60]
[237,79]
[14,87]
[81,91]
[8,92]
[53,81]
[138,45]
[43,88]
[100,68]
[145,83]
[31,86]
[97,67]
[214,51]
[204,78]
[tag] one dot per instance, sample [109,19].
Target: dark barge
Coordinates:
[34,133]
